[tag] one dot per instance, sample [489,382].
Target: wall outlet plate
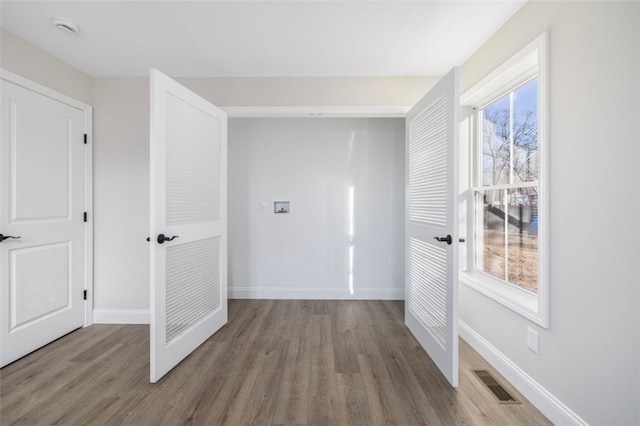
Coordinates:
[281,207]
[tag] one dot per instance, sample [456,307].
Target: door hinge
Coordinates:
[85,216]
[85,138]
[85,295]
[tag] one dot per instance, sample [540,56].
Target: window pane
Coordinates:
[493,233]
[495,142]
[510,137]
[508,246]
[525,133]
[522,252]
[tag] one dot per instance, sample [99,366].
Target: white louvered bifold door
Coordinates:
[431,301]
[189,202]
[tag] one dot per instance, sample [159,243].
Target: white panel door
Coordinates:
[431,307]
[42,202]
[188,222]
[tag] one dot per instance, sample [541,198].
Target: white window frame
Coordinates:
[529,62]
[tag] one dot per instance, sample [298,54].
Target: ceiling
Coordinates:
[261,38]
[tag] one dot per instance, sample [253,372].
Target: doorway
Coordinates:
[45,223]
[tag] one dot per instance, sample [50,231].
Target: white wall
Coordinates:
[28,61]
[312,163]
[590,355]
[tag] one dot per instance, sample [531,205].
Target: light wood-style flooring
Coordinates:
[275,362]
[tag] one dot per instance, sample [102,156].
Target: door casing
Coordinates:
[88,176]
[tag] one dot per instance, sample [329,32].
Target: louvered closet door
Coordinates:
[431,300]
[188,202]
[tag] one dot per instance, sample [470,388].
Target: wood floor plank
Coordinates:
[277,362]
[62,384]
[387,407]
[356,405]
[291,402]
[320,401]
[343,337]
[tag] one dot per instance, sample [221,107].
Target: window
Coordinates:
[506,199]
[506,189]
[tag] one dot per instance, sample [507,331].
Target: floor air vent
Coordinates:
[503,396]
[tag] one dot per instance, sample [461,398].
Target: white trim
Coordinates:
[540,397]
[316,111]
[544,292]
[315,293]
[88,177]
[530,61]
[88,207]
[517,299]
[517,70]
[518,185]
[121,316]
[43,90]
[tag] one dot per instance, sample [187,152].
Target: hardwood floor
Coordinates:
[276,362]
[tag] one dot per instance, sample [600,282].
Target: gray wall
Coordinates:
[315,163]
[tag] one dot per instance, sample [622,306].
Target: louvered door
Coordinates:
[431,301]
[188,222]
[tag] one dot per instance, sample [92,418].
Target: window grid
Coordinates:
[481,188]
[531,62]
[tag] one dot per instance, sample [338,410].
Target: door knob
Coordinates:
[446,239]
[161,238]
[5,237]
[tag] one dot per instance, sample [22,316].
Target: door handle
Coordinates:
[446,239]
[161,238]
[5,237]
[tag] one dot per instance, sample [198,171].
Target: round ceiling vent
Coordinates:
[65,26]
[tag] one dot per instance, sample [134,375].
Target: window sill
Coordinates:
[519,301]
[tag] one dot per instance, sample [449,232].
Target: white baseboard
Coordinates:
[542,399]
[121,316]
[315,293]
[141,316]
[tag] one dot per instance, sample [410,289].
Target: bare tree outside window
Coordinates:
[509,195]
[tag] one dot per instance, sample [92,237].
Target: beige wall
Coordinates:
[121,193]
[589,356]
[302,91]
[121,158]
[121,146]
[26,60]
